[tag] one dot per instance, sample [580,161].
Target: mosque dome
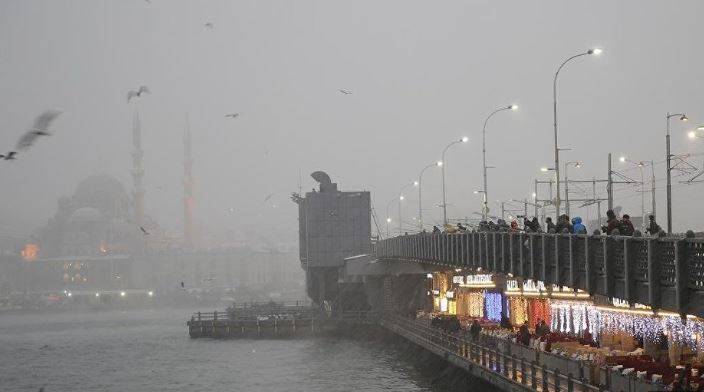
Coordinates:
[104,193]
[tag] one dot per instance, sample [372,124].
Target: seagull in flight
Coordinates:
[208,25]
[144,231]
[141,90]
[232,115]
[346,92]
[40,128]
[9,156]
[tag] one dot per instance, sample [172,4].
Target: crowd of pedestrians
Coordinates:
[564,225]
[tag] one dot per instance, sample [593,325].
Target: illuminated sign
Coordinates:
[458,279]
[479,281]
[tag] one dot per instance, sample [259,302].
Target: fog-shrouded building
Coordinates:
[92,244]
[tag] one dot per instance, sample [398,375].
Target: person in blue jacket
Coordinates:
[577,226]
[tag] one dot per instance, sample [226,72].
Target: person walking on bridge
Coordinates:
[475,329]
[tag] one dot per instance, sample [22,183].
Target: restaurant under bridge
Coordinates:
[661,273]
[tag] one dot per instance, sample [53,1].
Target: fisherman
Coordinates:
[563,223]
[626,226]
[653,227]
[612,223]
[549,225]
[436,230]
[577,226]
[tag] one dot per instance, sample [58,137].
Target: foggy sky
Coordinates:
[421,74]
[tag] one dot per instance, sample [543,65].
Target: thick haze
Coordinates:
[421,74]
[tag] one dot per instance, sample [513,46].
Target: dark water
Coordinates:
[150,351]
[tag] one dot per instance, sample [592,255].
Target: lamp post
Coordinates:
[485,207]
[388,217]
[484,201]
[465,139]
[668,160]
[577,165]
[401,197]
[594,51]
[640,166]
[420,193]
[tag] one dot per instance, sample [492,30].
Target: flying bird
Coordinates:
[39,128]
[9,156]
[208,25]
[142,89]
[269,196]
[145,232]
[346,92]
[232,115]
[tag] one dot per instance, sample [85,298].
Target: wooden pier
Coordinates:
[270,321]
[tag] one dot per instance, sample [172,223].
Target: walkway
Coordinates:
[508,372]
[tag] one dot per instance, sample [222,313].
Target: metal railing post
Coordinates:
[654,292]
[544,373]
[681,276]
[628,273]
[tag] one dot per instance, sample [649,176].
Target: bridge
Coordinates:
[611,302]
[663,273]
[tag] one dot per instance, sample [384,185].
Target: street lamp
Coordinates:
[596,52]
[640,165]
[464,139]
[668,159]
[388,217]
[420,192]
[401,198]
[485,207]
[576,165]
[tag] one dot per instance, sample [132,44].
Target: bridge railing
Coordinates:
[665,273]
[511,367]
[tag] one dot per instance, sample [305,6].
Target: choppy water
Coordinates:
[150,351]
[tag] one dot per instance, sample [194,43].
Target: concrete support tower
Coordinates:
[137,171]
[187,188]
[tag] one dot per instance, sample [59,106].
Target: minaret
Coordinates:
[187,188]
[137,171]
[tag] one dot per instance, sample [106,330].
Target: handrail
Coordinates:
[507,366]
[663,272]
